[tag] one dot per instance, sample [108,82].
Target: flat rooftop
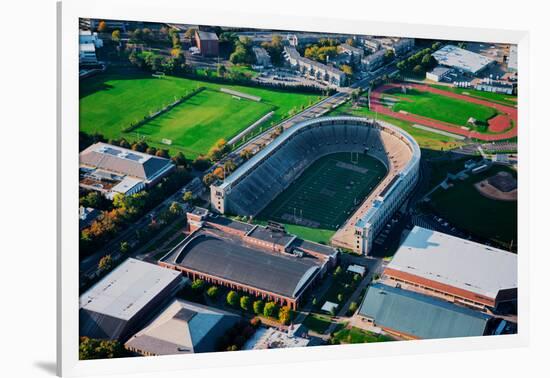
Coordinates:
[468,61]
[204,35]
[216,253]
[127,289]
[419,315]
[456,262]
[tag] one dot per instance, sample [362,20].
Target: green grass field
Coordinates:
[465,207]
[327,192]
[356,335]
[197,123]
[440,107]
[317,323]
[425,139]
[110,102]
[495,97]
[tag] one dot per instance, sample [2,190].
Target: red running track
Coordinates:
[496,124]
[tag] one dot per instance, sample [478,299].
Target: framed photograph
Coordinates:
[280,189]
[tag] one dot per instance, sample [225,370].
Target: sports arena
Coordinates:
[260,180]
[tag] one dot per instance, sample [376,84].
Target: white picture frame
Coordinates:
[69,12]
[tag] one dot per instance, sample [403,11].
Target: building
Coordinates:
[86,216]
[495,86]
[401,46]
[111,169]
[374,61]
[182,327]
[272,338]
[313,69]
[207,42]
[302,39]
[513,58]
[356,53]
[262,56]
[263,261]
[372,44]
[115,24]
[86,36]
[439,73]
[410,315]
[454,269]
[121,302]
[462,60]
[253,185]
[86,54]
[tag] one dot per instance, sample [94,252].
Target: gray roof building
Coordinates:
[413,315]
[461,59]
[122,300]
[182,327]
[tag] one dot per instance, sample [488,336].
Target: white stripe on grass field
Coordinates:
[441,132]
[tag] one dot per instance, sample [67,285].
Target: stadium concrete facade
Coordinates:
[259,180]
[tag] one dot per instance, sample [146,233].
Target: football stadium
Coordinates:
[349,174]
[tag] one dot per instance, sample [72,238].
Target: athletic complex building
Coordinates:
[262,261]
[258,181]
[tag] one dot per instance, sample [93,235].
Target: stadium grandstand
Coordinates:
[259,180]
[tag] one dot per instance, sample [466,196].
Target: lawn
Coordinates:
[501,98]
[356,335]
[463,206]
[443,108]
[425,139]
[110,102]
[317,323]
[325,195]
[197,123]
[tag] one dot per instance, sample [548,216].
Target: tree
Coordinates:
[124,247]
[285,315]
[270,309]
[353,307]
[340,297]
[197,285]
[347,69]
[179,159]
[245,154]
[314,301]
[201,163]
[189,33]
[115,35]
[102,26]
[212,291]
[232,298]
[187,196]
[208,179]
[417,69]
[163,154]
[221,70]
[105,263]
[356,277]
[229,166]
[389,55]
[338,271]
[175,208]
[90,349]
[258,307]
[245,302]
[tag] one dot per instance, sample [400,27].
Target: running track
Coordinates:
[507,111]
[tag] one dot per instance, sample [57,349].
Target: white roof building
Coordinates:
[463,60]
[119,301]
[272,338]
[453,267]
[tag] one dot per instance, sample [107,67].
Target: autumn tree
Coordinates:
[115,35]
[90,349]
[285,315]
[102,26]
[105,263]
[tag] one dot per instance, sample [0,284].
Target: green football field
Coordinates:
[439,107]
[326,194]
[197,123]
[110,102]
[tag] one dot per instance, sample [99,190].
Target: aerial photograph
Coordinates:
[245,189]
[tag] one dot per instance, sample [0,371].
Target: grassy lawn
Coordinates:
[464,207]
[325,195]
[496,97]
[317,323]
[341,285]
[197,123]
[356,335]
[424,138]
[440,107]
[111,101]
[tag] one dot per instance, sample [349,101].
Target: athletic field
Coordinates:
[110,102]
[436,106]
[326,194]
[197,123]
